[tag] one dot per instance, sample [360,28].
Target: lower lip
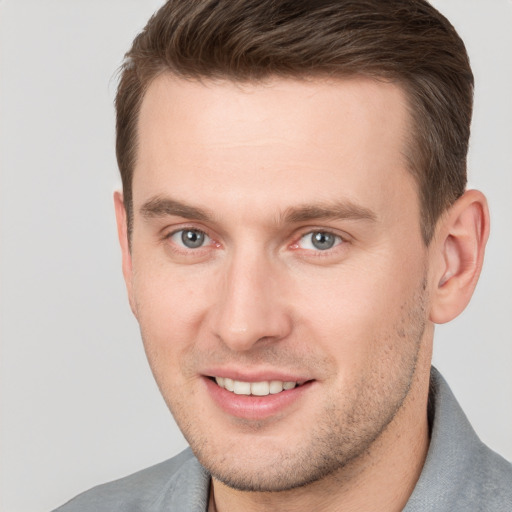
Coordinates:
[255,407]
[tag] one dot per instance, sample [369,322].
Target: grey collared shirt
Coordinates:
[460,474]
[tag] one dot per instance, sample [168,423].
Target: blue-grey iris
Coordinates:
[322,241]
[192,238]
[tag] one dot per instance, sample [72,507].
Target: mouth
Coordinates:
[262,388]
[257,399]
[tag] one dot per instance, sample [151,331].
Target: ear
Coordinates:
[124,242]
[459,247]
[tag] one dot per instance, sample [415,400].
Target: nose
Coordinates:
[251,308]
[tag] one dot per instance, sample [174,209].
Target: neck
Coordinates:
[381,480]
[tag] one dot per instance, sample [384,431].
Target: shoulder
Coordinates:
[460,472]
[483,482]
[480,475]
[149,489]
[489,479]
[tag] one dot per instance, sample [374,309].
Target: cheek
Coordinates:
[354,311]
[170,306]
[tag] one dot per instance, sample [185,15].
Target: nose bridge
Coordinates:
[249,308]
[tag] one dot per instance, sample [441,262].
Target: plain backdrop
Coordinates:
[78,402]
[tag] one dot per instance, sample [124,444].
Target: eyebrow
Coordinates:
[163,206]
[345,210]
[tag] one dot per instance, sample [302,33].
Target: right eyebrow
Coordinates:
[164,206]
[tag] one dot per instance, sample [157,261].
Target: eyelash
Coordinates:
[182,248]
[339,241]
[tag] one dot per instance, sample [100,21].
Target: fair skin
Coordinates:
[276,239]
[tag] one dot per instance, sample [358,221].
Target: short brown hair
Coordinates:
[406,41]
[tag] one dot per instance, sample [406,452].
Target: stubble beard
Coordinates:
[347,430]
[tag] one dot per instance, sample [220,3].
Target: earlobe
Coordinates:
[460,242]
[124,242]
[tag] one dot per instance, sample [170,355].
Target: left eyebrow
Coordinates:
[345,210]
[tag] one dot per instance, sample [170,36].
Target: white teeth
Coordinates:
[260,388]
[263,388]
[276,386]
[241,388]
[229,384]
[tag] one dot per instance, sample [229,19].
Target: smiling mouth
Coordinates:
[263,388]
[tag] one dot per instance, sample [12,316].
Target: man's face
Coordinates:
[276,246]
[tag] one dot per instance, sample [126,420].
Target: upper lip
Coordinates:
[246,375]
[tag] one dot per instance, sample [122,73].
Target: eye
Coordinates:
[319,241]
[190,238]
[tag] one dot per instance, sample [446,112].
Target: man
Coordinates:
[293,223]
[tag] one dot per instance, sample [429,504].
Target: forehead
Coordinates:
[273,143]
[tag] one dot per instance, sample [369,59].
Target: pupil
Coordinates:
[323,241]
[192,239]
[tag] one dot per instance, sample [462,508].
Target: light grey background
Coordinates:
[78,402]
